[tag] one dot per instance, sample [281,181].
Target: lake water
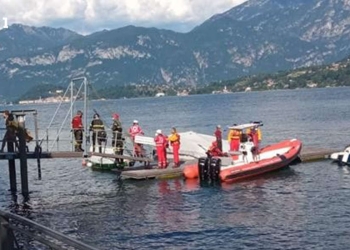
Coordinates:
[305,206]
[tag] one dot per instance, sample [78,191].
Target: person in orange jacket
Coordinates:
[234,138]
[174,140]
[160,147]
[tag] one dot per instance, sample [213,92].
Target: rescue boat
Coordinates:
[244,164]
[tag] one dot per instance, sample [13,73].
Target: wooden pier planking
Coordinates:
[69,154]
[306,154]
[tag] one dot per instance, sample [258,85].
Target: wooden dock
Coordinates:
[307,154]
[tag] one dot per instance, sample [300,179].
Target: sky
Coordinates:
[88,16]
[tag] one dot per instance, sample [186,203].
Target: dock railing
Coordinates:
[13,227]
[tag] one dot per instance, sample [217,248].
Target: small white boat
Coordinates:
[342,157]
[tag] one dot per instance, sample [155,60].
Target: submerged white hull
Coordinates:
[342,157]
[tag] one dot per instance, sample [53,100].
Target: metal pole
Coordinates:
[57,139]
[85,117]
[12,167]
[47,139]
[71,110]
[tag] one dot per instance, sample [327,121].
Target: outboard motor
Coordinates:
[340,160]
[214,169]
[203,168]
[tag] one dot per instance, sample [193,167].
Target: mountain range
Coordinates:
[254,37]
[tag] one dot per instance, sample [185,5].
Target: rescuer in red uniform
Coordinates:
[160,146]
[78,128]
[214,150]
[134,130]
[174,139]
[218,136]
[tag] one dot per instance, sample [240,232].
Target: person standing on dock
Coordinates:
[174,140]
[218,136]
[117,139]
[135,130]
[11,128]
[78,128]
[160,141]
[98,132]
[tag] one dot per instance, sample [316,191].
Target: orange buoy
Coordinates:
[191,171]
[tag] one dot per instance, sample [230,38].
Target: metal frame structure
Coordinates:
[73,98]
[12,225]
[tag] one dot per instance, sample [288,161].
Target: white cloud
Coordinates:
[87,16]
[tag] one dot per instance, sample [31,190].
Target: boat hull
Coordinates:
[272,157]
[342,157]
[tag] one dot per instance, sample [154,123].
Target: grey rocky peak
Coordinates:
[256,36]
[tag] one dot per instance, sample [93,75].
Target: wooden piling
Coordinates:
[12,167]
[23,157]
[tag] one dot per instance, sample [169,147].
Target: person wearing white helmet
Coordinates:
[160,141]
[135,130]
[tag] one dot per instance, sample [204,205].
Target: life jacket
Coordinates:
[174,139]
[234,135]
[259,134]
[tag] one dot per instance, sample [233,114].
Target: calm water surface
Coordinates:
[305,206]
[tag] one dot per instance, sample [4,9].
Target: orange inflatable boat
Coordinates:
[245,163]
